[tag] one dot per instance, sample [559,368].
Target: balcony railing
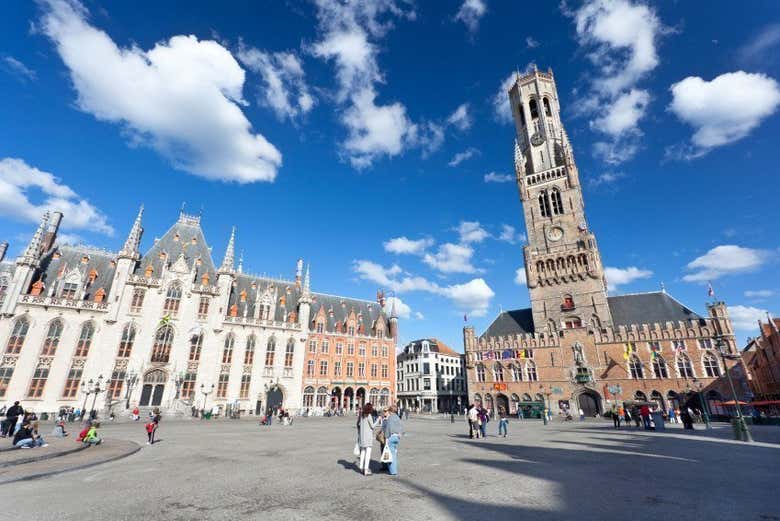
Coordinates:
[39,300]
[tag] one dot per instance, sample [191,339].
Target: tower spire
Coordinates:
[230,253]
[32,252]
[307,282]
[133,242]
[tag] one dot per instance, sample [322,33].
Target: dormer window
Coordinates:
[205,279]
[149,271]
[568,302]
[93,274]
[69,290]
[320,327]
[100,295]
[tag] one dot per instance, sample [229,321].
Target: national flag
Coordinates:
[465,317]
[164,321]
[627,352]
[710,291]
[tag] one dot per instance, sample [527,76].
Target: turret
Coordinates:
[304,302]
[50,236]
[130,250]
[225,276]
[393,322]
[230,253]
[127,258]
[32,253]
[26,265]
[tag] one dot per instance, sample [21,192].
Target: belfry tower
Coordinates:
[562,261]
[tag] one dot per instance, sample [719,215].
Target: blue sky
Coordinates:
[371,139]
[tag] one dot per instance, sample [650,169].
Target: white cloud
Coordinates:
[401,308]
[621,276]
[471,231]
[419,316]
[759,293]
[520,277]
[495,177]
[617,151]
[451,258]
[472,297]
[510,235]
[463,156]
[531,43]
[181,98]
[745,318]
[69,238]
[429,136]
[725,109]
[403,245]
[18,69]
[470,13]
[501,109]
[286,91]
[760,47]
[461,118]
[623,114]
[606,178]
[723,260]
[20,182]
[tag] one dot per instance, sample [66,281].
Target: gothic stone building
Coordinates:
[166,328]
[576,343]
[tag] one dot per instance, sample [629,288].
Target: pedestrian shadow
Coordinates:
[348,465]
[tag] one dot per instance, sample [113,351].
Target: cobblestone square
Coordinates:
[237,470]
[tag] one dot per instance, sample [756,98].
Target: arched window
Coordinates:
[270,352]
[249,353]
[3,289]
[126,342]
[546,104]
[227,352]
[172,300]
[711,367]
[640,396]
[530,371]
[533,108]
[38,381]
[373,396]
[480,373]
[308,397]
[557,202]
[659,367]
[527,398]
[544,204]
[138,300]
[161,349]
[384,397]
[85,339]
[572,322]
[522,114]
[289,353]
[684,366]
[498,373]
[517,373]
[196,344]
[18,335]
[52,339]
[635,367]
[322,397]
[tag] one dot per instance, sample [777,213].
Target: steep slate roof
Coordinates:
[510,323]
[436,346]
[368,311]
[65,258]
[257,286]
[173,247]
[647,308]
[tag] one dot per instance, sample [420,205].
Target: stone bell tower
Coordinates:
[562,261]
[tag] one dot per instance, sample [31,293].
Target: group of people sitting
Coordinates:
[284,417]
[22,428]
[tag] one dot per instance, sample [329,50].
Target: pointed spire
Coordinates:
[230,253]
[133,242]
[307,282]
[33,250]
[393,313]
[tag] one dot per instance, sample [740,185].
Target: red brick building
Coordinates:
[762,359]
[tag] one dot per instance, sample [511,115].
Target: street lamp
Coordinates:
[96,390]
[86,389]
[178,380]
[698,386]
[130,380]
[205,396]
[740,424]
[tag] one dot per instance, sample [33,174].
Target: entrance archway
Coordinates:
[502,402]
[154,388]
[360,397]
[590,403]
[349,398]
[335,398]
[274,398]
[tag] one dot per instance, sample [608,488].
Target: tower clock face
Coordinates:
[555,234]
[537,139]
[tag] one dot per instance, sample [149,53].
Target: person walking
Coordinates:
[392,428]
[503,421]
[672,415]
[365,438]
[483,421]
[644,412]
[617,415]
[472,417]
[686,419]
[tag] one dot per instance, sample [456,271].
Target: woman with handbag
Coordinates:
[366,438]
[392,429]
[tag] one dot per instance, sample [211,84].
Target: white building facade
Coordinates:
[167,328]
[431,377]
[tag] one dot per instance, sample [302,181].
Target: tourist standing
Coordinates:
[136,414]
[617,415]
[644,411]
[12,416]
[503,421]
[686,419]
[472,419]
[366,438]
[393,429]
[672,415]
[483,421]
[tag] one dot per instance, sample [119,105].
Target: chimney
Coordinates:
[3,249]
[51,234]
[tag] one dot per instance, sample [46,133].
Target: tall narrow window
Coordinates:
[115,384]
[227,352]
[530,371]
[546,104]
[85,339]
[203,308]
[384,371]
[480,373]
[172,300]
[308,397]
[161,349]
[137,303]
[5,378]
[711,367]
[196,344]
[336,368]
[635,367]
[323,368]
[350,369]
[126,342]
[52,339]
[222,385]
[310,368]
[289,353]
[18,335]
[659,367]
[544,204]
[270,352]
[72,383]
[517,373]
[69,290]
[684,367]
[557,202]
[534,109]
[498,373]
[188,386]
[38,382]
[3,289]
[361,370]
[245,381]
[374,370]
[522,114]
[249,353]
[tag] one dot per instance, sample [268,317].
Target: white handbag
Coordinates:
[387,456]
[356,450]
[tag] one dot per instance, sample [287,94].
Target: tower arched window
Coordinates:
[522,114]
[533,107]
[161,349]
[52,339]
[289,354]
[85,339]
[126,342]
[711,367]
[684,366]
[544,204]
[227,352]
[480,373]
[530,371]
[172,300]
[635,367]
[517,373]
[498,372]
[659,367]
[557,202]
[18,335]
[546,104]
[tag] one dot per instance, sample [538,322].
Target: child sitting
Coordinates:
[92,437]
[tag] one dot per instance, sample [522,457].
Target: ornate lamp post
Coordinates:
[86,388]
[205,396]
[130,380]
[698,386]
[178,380]
[741,431]
[97,389]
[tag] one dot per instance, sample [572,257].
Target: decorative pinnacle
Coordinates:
[230,253]
[393,314]
[307,281]
[133,242]
[519,160]
[33,250]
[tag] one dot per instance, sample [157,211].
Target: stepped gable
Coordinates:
[255,288]
[342,306]
[511,323]
[59,262]
[176,241]
[648,308]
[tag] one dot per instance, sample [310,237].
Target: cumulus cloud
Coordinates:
[461,118]
[182,97]
[17,69]
[463,156]
[495,177]
[623,114]
[286,91]
[451,258]
[520,277]
[727,259]
[419,316]
[20,183]
[725,109]
[470,13]
[621,276]
[509,234]
[745,318]
[501,109]
[472,297]
[403,245]
[401,308]
[471,231]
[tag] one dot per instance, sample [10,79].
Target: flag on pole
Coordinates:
[710,291]
[465,317]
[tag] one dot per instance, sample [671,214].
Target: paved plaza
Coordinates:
[238,470]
